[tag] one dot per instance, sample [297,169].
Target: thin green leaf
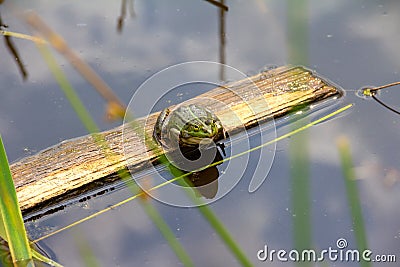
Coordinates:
[297,34]
[11,215]
[353,196]
[300,177]
[224,234]
[213,220]
[167,233]
[2,229]
[67,89]
[86,252]
[44,259]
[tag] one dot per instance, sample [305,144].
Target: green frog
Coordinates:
[187,126]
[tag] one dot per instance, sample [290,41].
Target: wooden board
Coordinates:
[74,165]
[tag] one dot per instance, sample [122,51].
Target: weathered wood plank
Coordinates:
[63,169]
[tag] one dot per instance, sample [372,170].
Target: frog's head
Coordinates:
[195,130]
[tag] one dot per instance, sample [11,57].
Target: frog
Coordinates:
[188,125]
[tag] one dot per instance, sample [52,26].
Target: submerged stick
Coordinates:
[73,166]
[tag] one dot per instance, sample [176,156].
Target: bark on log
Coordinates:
[73,165]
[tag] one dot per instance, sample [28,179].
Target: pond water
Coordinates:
[352,43]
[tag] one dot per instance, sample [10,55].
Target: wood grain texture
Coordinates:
[66,168]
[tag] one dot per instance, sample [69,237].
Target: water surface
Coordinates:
[353,43]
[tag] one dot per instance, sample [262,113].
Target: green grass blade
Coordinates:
[298,31]
[156,218]
[225,236]
[44,259]
[300,178]
[11,215]
[2,229]
[213,220]
[167,233]
[92,128]
[353,196]
[85,250]
[297,34]
[68,90]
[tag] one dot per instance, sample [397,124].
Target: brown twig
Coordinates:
[373,91]
[115,106]
[218,4]
[13,50]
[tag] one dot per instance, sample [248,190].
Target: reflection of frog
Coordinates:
[187,126]
[204,182]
